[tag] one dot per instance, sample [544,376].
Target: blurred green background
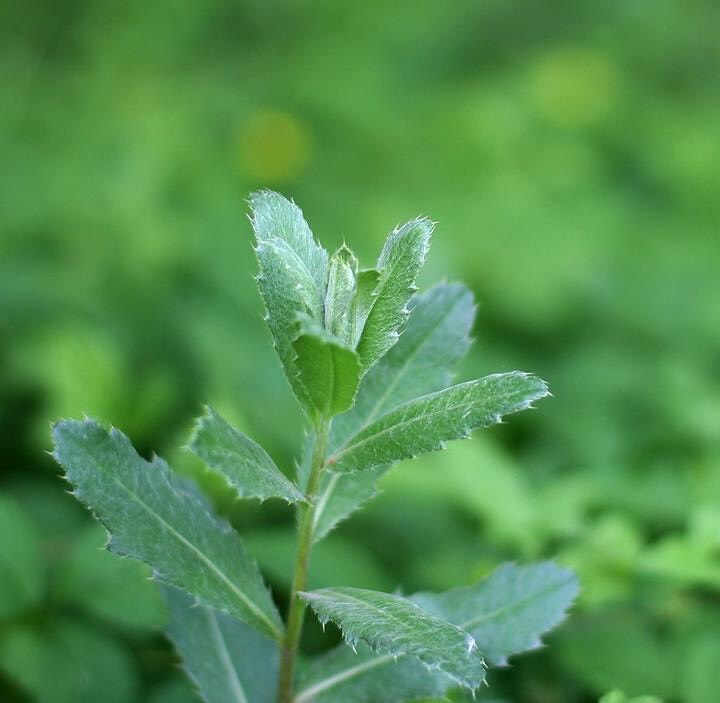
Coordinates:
[568,150]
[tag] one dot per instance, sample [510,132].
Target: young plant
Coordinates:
[371,364]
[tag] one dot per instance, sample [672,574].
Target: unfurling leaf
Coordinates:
[228,661]
[437,336]
[425,424]
[340,294]
[400,262]
[367,282]
[391,624]
[152,518]
[506,613]
[244,464]
[328,370]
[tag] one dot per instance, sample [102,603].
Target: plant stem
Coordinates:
[296,611]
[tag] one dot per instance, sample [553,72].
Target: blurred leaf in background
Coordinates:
[568,152]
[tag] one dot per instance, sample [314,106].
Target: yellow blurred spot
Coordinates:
[273,146]
[574,87]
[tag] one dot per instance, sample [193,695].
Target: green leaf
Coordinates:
[288,290]
[367,283]
[327,369]
[64,661]
[22,572]
[340,294]
[276,217]
[508,611]
[362,676]
[425,424]
[400,262]
[423,361]
[116,590]
[152,518]
[228,661]
[245,465]
[391,624]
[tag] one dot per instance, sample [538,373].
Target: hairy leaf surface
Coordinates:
[437,336]
[506,613]
[400,262]
[152,518]
[425,424]
[276,217]
[340,294]
[228,661]
[391,624]
[244,464]
[328,370]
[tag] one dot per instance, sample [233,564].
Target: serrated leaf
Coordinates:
[340,294]
[276,217]
[391,624]
[400,261]
[228,661]
[506,613]
[425,424]
[327,369]
[151,518]
[244,464]
[437,336]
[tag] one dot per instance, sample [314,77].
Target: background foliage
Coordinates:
[568,151]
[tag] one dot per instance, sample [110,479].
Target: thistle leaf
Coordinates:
[152,518]
[391,624]
[328,370]
[244,464]
[276,217]
[400,262]
[340,294]
[506,613]
[425,424]
[423,361]
[228,661]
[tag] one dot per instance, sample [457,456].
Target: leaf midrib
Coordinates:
[332,681]
[215,569]
[225,658]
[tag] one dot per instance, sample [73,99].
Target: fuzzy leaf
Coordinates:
[506,613]
[244,464]
[276,217]
[425,424]
[423,361]
[152,518]
[340,293]
[328,370]
[400,262]
[391,624]
[288,290]
[436,338]
[228,661]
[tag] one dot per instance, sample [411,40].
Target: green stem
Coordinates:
[296,612]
